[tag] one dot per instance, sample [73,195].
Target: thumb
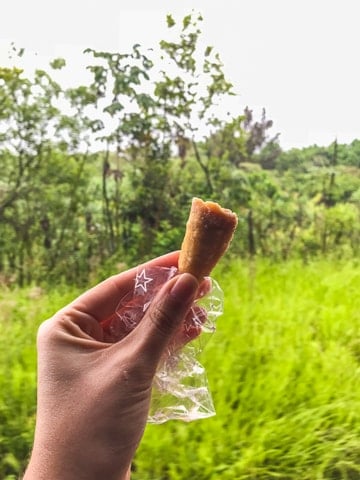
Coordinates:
[165,315]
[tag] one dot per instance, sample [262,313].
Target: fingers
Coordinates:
[101,301]
[164,317]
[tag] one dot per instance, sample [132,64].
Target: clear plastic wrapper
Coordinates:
[180,387]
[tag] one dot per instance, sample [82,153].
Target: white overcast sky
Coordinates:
[299,59]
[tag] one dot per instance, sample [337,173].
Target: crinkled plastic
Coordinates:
[180,387]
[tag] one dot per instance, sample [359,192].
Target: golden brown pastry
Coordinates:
[209,231]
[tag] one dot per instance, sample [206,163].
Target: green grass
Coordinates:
[283,368]
[21,312]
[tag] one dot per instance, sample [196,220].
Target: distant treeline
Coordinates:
[70,215]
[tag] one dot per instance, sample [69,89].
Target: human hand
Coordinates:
[94,396]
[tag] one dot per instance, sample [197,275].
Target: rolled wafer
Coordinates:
[209,231]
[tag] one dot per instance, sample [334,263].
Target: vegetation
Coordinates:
[99,176]
[22,310]
[67,211]
[283,369]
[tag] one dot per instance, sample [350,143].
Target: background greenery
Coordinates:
[98,177]
[283,368]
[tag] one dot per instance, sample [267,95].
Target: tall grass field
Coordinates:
[283,368]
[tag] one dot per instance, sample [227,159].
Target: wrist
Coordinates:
[44,465]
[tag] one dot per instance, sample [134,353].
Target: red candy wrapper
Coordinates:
[180,387]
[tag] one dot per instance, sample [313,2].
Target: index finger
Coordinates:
[100,302]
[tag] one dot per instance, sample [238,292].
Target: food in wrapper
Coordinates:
[209,231]
[180,389]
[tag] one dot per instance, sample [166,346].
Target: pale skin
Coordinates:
[94,396]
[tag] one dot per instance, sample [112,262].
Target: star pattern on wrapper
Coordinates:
[141,281]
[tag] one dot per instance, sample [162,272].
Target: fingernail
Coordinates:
[184,288]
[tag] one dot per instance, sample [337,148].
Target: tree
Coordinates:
[154,111]
[42,174]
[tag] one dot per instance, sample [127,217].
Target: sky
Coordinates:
[298,59]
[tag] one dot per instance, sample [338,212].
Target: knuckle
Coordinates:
[49,329]
[45,330]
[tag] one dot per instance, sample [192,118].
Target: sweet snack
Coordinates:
[209,231]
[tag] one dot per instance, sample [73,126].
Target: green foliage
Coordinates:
[313,156]
[154,110]
[65,213]
[283,369]
[21,313]
[58,63]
